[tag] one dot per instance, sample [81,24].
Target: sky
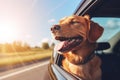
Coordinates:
[30,20]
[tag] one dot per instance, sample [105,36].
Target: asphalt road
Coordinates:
[37,71]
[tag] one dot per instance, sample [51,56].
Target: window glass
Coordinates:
[111,27]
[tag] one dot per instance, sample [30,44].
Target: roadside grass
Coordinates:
[24,57]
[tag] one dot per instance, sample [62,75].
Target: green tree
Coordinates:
[45,45]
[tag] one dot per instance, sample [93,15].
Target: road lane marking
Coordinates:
[24,70]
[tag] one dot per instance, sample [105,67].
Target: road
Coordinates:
[37,71]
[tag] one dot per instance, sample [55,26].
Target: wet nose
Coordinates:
[55,27]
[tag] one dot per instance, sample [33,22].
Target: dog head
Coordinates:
[74,31]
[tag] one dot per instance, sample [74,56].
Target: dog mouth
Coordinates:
[67,44]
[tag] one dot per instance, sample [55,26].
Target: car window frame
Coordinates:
[85,5]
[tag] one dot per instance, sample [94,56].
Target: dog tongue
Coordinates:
[68,45]
[60,45]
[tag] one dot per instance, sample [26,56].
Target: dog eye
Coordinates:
[74,22]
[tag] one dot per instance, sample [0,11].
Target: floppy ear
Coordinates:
[87,17]
[95,32]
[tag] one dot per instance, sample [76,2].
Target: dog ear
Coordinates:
[87,17]
[95,32]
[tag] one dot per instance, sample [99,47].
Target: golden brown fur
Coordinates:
[81,26]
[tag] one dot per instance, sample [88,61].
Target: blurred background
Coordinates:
[25,35]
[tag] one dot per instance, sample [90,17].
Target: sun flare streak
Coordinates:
[8,33]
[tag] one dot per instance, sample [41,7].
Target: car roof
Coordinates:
[99,8]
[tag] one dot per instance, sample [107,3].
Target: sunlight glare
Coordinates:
[8,33]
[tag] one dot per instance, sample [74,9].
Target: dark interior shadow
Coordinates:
[111,64]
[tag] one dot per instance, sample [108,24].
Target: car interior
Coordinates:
[111,63]
[110,60]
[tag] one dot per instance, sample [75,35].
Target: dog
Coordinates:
[78,36]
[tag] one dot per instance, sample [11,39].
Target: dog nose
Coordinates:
[55,27]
